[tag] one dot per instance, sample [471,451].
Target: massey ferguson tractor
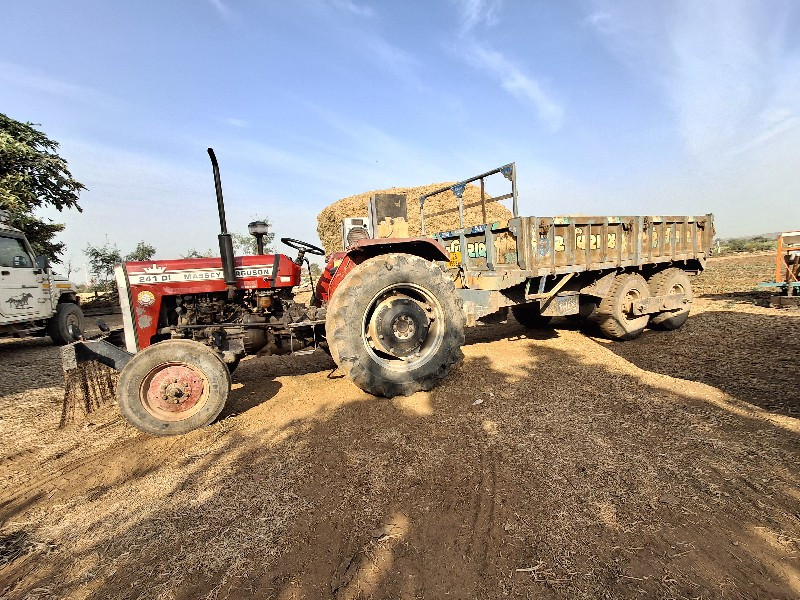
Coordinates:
[391,312]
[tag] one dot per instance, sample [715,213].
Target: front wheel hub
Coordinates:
[174,389]
[399,326]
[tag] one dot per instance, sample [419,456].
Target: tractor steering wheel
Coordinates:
[303,246]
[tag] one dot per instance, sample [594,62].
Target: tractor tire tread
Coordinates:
[344,336]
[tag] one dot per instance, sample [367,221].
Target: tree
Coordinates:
[69,267]
[102,260]
[316,270]
[200,253]
[32,176]
[143,251]
[244,243]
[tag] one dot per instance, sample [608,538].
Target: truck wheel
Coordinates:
[173,387]
[395,325]
[614,312]
[670,281]
[59,325]
[529,315]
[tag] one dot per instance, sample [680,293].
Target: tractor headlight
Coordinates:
[257,228]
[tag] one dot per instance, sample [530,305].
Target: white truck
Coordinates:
[34,301]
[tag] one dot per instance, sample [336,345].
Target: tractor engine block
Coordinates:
[253,322]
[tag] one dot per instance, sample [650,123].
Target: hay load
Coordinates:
[441,212]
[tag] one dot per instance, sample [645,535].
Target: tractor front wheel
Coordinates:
[395,325]
[173,387]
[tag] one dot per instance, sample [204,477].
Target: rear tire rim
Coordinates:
[411,321]
[174,391]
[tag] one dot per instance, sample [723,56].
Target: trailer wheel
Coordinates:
[670,281]
[60,324]
[529,315]
[173,387]
[614,311]
[395,325]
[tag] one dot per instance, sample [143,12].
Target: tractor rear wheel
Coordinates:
[671,281]
[614,313]
[173,387]
[529,315]
[395,325]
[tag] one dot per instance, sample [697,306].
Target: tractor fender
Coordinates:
[341,263]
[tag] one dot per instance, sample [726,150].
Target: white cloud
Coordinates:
[516,82]
[401,63]
[223,9]
[512,77]
[729,71]
[240,123]
[722,66]
[349,6]
[364,38]
[475,12]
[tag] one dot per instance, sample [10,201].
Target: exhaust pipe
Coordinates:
[225,239]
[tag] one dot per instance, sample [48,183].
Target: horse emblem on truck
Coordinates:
[21,301]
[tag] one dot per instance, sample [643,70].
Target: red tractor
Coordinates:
[391,312]
[187,323]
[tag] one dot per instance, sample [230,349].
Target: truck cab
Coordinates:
[34,301]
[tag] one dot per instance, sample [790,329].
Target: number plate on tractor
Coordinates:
[455,260]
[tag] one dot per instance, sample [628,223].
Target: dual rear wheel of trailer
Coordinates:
[613,313]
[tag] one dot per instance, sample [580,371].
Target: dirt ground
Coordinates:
[550,464]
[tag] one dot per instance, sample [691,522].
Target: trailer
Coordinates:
[390,311]
[562,266]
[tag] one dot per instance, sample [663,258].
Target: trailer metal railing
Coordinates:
[508,171]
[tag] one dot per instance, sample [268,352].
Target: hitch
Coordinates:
[83,351]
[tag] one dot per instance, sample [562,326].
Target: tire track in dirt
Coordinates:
[483,511]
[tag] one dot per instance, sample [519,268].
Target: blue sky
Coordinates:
[607,107]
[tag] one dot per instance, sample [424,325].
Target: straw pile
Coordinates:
[441,212]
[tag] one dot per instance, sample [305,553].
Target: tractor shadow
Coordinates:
[255,381]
